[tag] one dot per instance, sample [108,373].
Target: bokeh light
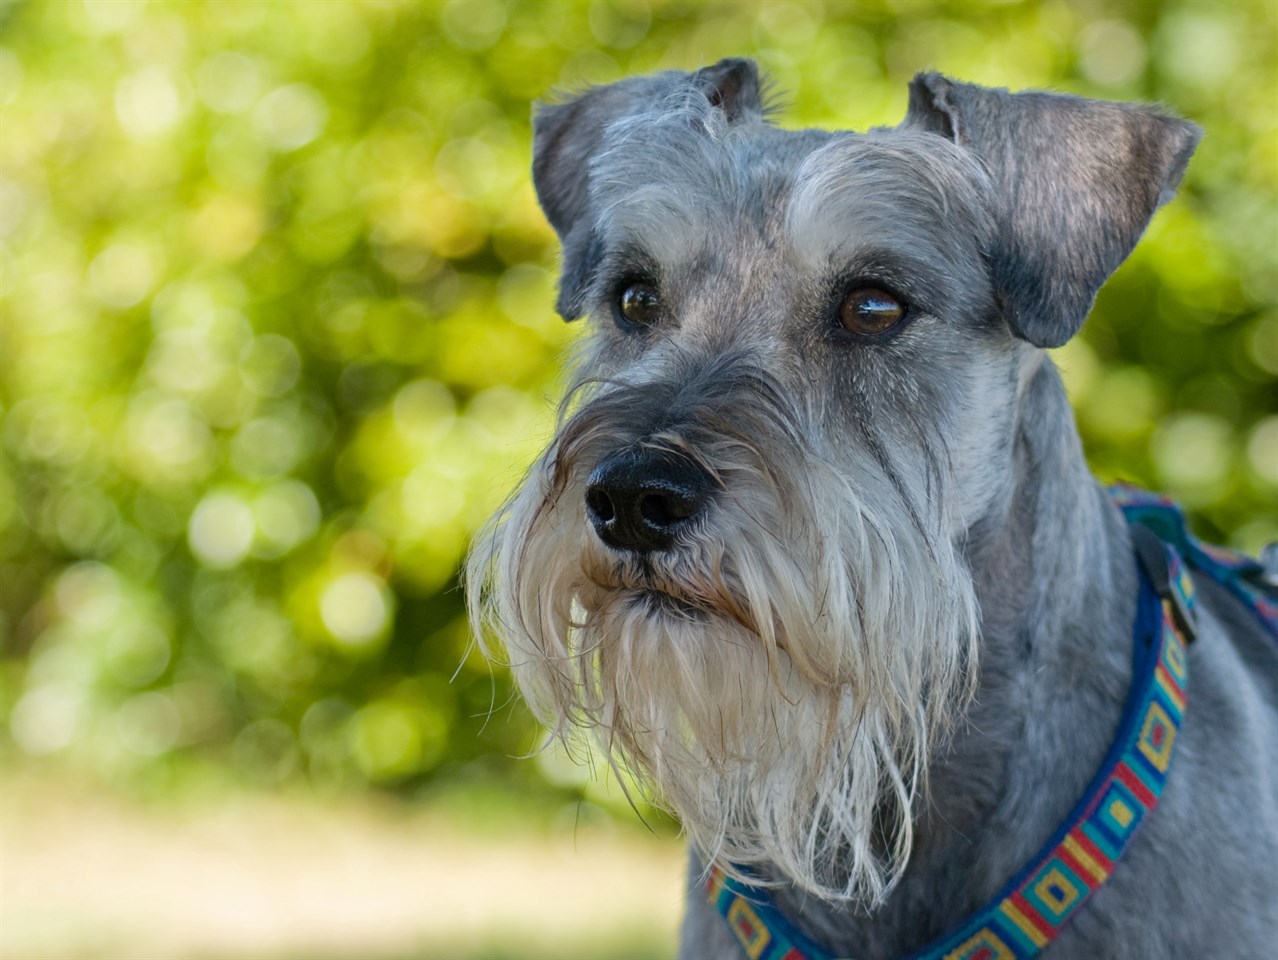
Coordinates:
[278,335]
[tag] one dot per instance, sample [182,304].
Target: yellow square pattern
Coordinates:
[749,928]
[1058,903]
[1157,754]
[1121,812]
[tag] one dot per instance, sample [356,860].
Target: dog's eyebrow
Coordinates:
[629,258]
[666,216]
[857,188]
[618,263]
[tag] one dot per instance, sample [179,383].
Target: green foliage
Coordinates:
[277,334]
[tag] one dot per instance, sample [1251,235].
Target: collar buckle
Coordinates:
[1157,561]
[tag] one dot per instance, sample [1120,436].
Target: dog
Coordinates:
[815,554]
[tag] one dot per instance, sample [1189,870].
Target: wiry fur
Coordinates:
[795,673]
[780,678]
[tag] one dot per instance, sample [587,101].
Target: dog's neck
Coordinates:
[1056,585]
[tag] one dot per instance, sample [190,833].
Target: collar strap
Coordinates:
[1036,905]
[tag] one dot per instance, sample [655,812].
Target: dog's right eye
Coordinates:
[639,304]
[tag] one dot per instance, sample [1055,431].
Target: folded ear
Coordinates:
[568,136]
[1076,183]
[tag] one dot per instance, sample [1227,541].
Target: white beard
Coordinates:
[777,679]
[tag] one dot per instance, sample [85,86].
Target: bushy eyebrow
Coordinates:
[668,221]
[860,187]
[620,262]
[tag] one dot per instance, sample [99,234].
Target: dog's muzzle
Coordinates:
[639,499]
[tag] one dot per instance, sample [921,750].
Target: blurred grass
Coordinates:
[276,335]
[225,872]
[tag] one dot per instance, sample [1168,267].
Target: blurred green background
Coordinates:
[277,336]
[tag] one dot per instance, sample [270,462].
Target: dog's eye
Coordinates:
[869,311]
[639,303]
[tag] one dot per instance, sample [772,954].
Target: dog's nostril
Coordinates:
[599,505]
[655,508]
[667,507]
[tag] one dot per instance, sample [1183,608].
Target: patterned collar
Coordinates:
[1036,905]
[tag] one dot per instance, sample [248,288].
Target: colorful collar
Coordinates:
[1036,905]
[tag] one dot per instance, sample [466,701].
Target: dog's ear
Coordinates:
[733,87]
[1077,181]
[568,136]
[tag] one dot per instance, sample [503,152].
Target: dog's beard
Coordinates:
[777,678]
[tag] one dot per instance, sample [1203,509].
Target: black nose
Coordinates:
[638,499]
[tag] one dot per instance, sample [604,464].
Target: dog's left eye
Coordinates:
[869,311]
[639,303]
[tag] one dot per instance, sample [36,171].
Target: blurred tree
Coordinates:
[277,334]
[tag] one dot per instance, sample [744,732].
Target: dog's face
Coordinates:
[742,559]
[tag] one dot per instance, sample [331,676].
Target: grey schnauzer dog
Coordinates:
[815,553]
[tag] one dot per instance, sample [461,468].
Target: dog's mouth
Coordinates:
[646,587]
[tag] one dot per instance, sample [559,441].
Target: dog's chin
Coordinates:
[658,605]
[720,728]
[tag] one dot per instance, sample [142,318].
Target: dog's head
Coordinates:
[741,561]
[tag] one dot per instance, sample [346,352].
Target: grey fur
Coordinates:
[808,660]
